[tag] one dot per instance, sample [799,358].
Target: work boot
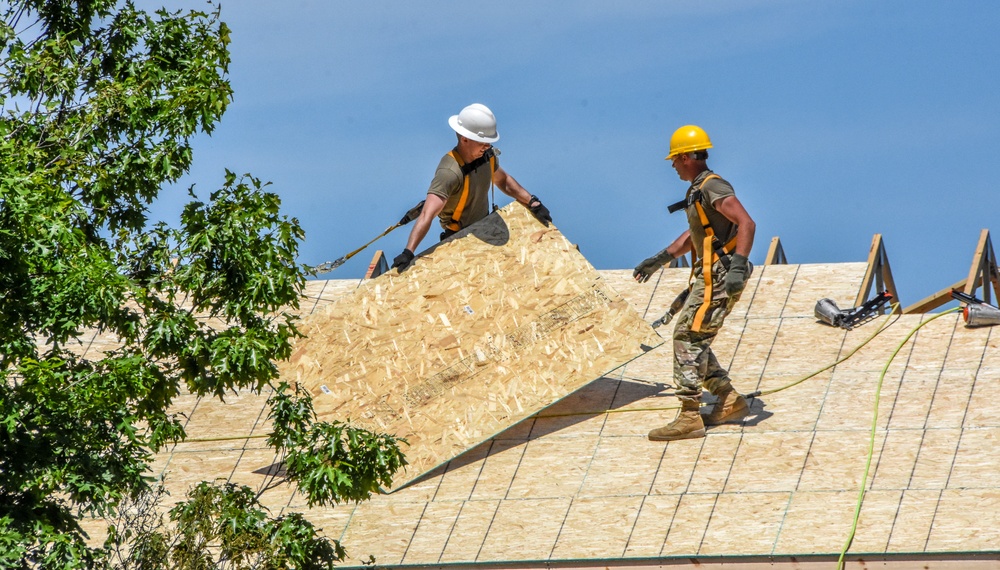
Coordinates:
[731,407]
[687,424]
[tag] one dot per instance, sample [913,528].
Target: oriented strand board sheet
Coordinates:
[483,330]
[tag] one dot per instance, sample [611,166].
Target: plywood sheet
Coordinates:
[483,330]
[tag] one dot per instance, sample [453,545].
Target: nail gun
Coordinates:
[828,311]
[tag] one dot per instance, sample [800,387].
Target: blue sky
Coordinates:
[833,120]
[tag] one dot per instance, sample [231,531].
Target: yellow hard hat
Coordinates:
[688,138]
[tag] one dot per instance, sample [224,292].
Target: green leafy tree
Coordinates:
[100,102]
[219,525]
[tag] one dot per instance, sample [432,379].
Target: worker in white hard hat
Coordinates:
[459,192]
[720,237]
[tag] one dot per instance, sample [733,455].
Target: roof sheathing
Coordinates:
[579,485]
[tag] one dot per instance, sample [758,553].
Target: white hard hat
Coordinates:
[476,122]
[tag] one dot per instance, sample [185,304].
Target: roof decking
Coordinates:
[578,483]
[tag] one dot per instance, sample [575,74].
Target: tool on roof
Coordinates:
[408,217]
[675,307]
[827,311]
[977,313]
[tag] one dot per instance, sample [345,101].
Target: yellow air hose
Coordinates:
[871,439]
[885,324]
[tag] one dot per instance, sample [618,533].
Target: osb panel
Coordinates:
[712,471]
[609,518]
[740,311]
[966,520]
[937,455]
[622,466]
[382,529]
[677,467]
[461,476]
[689,524]
[235,418]
[469,532]
[825,468]
[766,510]
[650,529]
[792,409]
[976,455]
[772,290]
[482,331]
[912,523]
[839,282]
[432,533]
[769,462]
[875,521]
[526,529]
[563,459]
[498,470]
[816,522]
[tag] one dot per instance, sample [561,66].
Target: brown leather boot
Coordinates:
[687,424]
[730,408]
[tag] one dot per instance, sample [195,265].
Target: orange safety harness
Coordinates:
[712,249]
[467,169]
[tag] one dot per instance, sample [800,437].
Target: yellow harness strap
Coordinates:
[708,257]
[455,225]
[456,216]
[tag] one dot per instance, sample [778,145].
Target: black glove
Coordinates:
[539,210]
[648,267]
[402,260]
[736,276]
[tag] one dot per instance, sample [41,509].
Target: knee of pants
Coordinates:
[685,354]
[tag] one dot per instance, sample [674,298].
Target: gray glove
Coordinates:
[648,267]
[736,276]
[664,320]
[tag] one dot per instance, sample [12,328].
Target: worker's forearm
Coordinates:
[681,245]
[420,229]
[744,238]
[518,193]
[513,188]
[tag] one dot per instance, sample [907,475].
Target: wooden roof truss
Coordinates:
[879,274]
[982,273]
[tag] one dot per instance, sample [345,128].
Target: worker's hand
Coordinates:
[736,276]
[539,210]
[402,260]
[664,320]
[650,265]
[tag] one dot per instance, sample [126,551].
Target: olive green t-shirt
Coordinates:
[711,191]
[448,183]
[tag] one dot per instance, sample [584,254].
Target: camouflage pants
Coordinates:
[695,365]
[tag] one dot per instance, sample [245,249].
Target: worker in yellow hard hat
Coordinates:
[459,192]
[720,237]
